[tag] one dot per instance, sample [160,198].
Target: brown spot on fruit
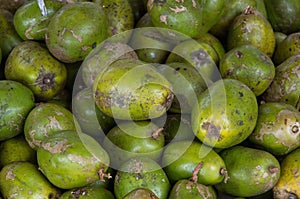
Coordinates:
[59,147]
[212,130]
[163,19]
[239,54]
[295,128]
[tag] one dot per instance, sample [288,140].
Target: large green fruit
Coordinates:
[68,161]
[226,114]
[23,180]
[277,129]
[129,89]
[32,64]
[141,173]
[45,120]
[16,102]
[284,15]
[251,171]
[75,29]
[30,23]
[88,192]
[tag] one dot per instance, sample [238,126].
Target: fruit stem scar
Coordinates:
[273,169]
[195,172]
[224,173]
[156,133]
[295,128]
[103,175]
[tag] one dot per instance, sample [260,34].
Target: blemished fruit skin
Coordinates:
[226,114]
[88,192]
[288,183]
[277,129]
[251,171]
[141,193]
[16,102]
[23,180]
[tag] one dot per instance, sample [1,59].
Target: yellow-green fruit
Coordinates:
[226,114]
[289,182]
[23,180]
[16,149]
[130,89]
[32,64]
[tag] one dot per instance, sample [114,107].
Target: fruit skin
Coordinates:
[251,171]
[11,6]
[45,120]
[181,158]
[67,162]
[75,29]
[226,114]
[277,129]
[288,183]
[23,180]
[284,15]
[249,65]
[16,102]
[32,64]
[285,86]
[141,173]
[30,24]
[88,192]
[251,27]
[129,89]
[141,193]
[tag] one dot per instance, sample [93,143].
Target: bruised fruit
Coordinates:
[251,171]
[226,114]
[24,180]
[32,64]
[277,129]
[67,162]
[88,192]
[16,102]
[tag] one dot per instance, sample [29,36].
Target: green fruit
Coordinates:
[75,30]
[30,24]
[87,193]
[182,158]
[141,173]
[277,129]
[9,38]
[251,28]
[279,37]
[283,15]
[226,114]
[188,189]
[141,193]
[251,171]
[23,180]
[130,89]
[16,149]
[261,7]
[289,47]
[249,65]
[68,160]
[192,18]
[288,183]
[138,9]
[285,86]
[32,64]
[45,120]
[134,139]
[16,102]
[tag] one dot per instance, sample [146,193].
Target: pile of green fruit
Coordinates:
[152,99]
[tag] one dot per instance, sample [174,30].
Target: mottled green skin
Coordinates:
[200,15]
[226,114]
[23,180]
[87,192]
[128,89]
[67,162]
[277,129]
[16,102]
[182,157]
[289,47]
[251,28]
[285,86]
[134,139]
[75,30]
[188,189]
[141,193]
[141,173]
[251,171]
[9,38]
[30,24]
[284,15]
[16,149]
[261,7]
[249,65]
[45,120]
[32,64]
